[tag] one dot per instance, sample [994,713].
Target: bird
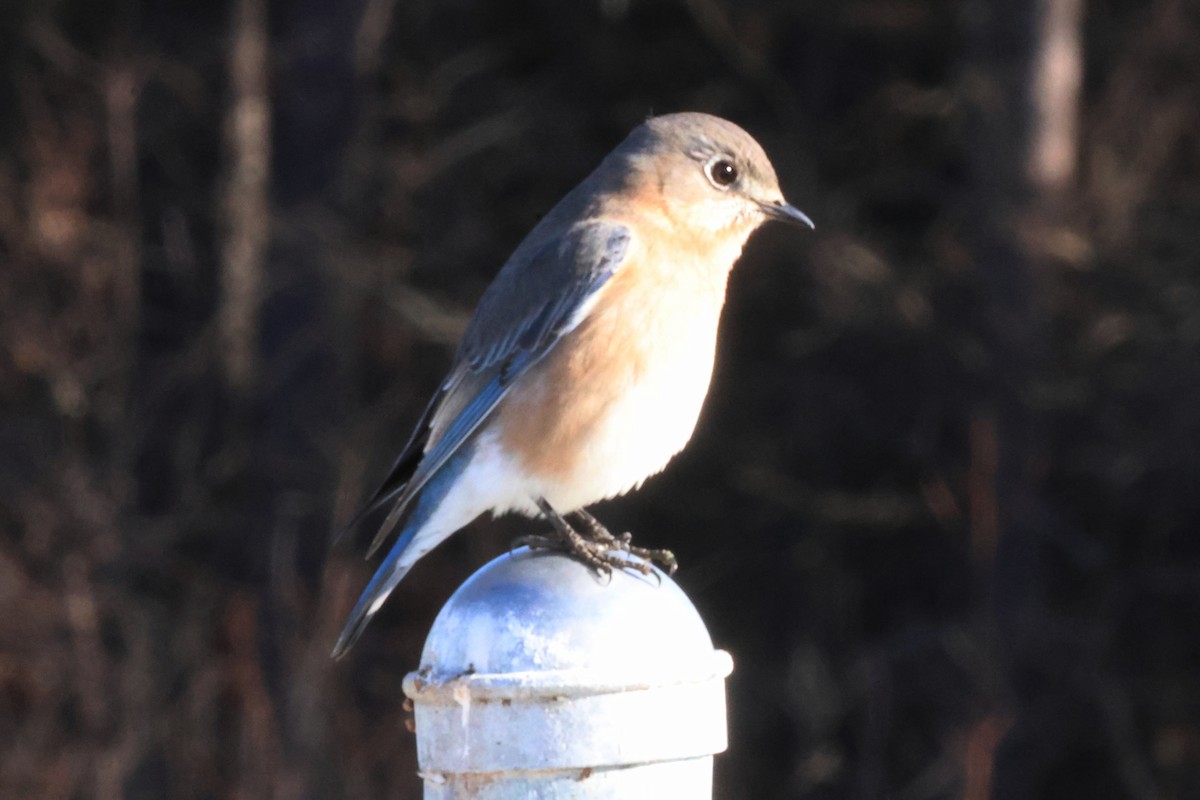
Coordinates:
[584,367]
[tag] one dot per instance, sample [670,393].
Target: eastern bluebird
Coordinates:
[586,363]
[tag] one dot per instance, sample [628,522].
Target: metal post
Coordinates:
[542,679]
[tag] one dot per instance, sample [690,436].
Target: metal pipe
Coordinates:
[542,679]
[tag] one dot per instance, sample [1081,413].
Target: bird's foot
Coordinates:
[599,556]
[599,549]
[597,532]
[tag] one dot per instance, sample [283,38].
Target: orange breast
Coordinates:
[546,421]
[660,309]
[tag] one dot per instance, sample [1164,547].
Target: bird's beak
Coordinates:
[786,212]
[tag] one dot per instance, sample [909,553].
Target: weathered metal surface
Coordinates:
[541,678]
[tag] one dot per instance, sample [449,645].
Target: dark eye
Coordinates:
[722,172]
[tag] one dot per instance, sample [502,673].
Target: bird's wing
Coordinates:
[533,302]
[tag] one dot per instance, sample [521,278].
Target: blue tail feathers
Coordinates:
[391,571]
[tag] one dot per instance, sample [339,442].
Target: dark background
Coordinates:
[942,505]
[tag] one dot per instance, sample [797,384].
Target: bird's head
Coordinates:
[708,174]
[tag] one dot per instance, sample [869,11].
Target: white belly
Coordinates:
[650,422]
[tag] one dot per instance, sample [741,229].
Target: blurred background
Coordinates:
[943,503]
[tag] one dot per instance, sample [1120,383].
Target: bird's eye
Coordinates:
[722,172]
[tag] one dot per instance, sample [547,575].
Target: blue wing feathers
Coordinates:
[527,309]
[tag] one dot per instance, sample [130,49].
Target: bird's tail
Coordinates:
[421,533]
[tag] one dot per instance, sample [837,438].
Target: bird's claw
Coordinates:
[600,556]
[596,546]
[624,541]
[664,558]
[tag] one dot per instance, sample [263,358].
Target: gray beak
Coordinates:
[786,212]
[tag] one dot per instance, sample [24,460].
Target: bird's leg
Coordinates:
[598,532]
[599,555]
[565,537]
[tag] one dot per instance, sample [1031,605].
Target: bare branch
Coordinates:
[1057,75]
[246,200]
